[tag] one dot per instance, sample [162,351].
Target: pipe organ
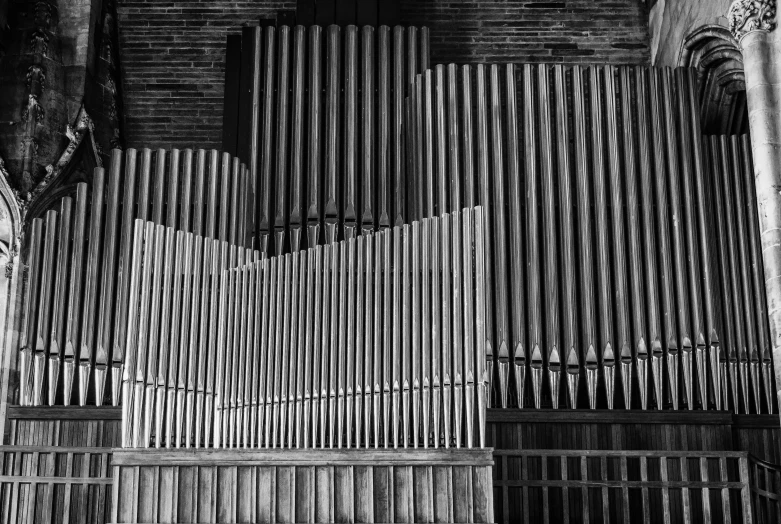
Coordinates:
[600,247]
[342,345]
[621,247]
[745,356]
[321,127]
[79,256]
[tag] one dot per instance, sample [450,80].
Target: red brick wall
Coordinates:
[173,52]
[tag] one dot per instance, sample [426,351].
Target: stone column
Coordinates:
[753,24]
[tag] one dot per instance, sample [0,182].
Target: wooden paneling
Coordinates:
[622,486]
[759,435]
[64,426]
[303,486]
[53,485]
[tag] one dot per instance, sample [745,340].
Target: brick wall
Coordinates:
[572,31]
[173,52]
[173,61]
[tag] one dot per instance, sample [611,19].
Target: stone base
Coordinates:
[302,486]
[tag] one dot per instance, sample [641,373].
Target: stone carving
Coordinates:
[43,14]
[35,72]
[745,16]
[34,108]
[39,42]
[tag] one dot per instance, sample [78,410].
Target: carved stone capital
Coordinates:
[745,16]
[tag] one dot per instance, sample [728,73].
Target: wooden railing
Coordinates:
[631,486]
[765,482]
[54,484]
[74,485]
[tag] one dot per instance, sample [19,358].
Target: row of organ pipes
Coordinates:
[375,341]
[324,137]
[622,245]
[74,313]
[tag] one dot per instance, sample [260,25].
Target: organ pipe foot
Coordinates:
[116,384]
[179,418]
[84,374]
[702,375]
[425,416]
[470,415]
[716,376]
[436,409]
[405,398]
[537,385]
[767,375]
[672,372]
[138,415]
[312,235]
[127,415]
[688,379]
[279,242]
[592,375]
[458,405]
[170,395]
[572,388]
[263,244]
[330,232]
[396,415]
[554,377]
[482,405]
[415,417]
[199,403]
[504,378]
[657,364]
[159,410]
[744,386]
[732,369]
[756,383]
[149,409]
[68,371]
[54,376]
[39,369]
[626,383]
[642,381]
[307,410]
[170,417]
[295,239]
[375,422]
[100,384]
[25,375]
[610,385]
[520,382]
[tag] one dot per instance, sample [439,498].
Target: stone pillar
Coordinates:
[753,24]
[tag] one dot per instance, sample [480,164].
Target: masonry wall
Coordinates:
[173,52]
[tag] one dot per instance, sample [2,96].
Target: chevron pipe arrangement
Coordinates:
[601,249]
[75,301]
[350,344]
